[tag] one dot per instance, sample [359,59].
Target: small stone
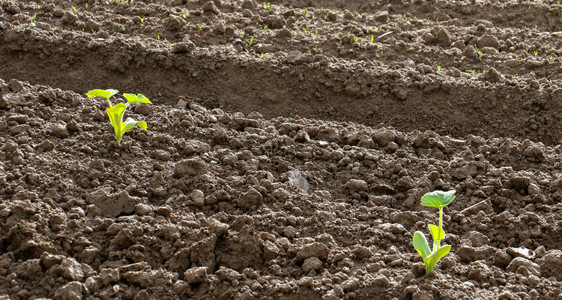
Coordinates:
[250,199]
[70,269]
[405,183]
[315,249]
[392,227]
[174,23]
[196,275]
[30,269]
[355,185]
[475,274]
[478,239]
[275,21]
[422,295]
[488,40]
[502,259]
[362,252]
[198,198]
[521,252]
[551,264]
[123,240]
[113,205]
[350,284]
[210,7]
[183,47]
[493,75]
[311,263]
[192,166]
[60,131]
[72,126]
[71,291]
[520,182]
[142,209]
[270,250]
[49,260]
[381,281]
[466,253]
[382,16]
[13,9]
[534,153]
[444,38]
[164,210]
[518,262]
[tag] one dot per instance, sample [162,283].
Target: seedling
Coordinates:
[437,199]
[117,111]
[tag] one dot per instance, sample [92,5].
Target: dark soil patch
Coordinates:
[291,167]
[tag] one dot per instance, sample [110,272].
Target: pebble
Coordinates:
[195,275]
[198,198]
[311,263]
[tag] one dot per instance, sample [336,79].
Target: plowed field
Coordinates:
[287,149]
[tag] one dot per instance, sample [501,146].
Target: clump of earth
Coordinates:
[288,146]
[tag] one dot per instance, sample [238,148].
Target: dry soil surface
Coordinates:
[288,146]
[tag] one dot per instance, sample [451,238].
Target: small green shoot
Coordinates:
[117,111]
[250,42]
[437,199]
[438,68]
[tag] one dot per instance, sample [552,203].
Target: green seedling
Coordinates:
[437,199]
[117,111]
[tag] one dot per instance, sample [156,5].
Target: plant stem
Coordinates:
[440,224]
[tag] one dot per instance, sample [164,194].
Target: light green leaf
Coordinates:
[432,260]
[438,199]
[102,93]
[131,98]
[115,114]
[421,245]
[437,233]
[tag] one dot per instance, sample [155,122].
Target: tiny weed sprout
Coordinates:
[117,111]
[437,199]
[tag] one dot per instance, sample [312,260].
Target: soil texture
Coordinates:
[288,146]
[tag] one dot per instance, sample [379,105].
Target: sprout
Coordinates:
[437,199]
[117,111]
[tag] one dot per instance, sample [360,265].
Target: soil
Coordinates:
[288,146]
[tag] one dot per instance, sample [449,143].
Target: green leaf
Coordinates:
[432,260]
[131,98]
[102,93]
[438,199]
[421,245]
[437,234]
[115,114]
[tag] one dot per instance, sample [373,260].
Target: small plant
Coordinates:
[250,42]
[437,199]
[438,68]
[117,111]
[478,51]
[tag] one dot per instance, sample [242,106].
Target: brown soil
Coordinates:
[288,146]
